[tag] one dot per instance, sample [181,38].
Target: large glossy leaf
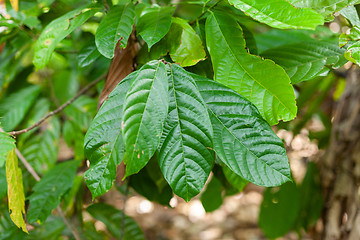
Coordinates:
[103,142]
[6,145]
[145,109]
[116,25]
[41,151]
[260,81]
[48,191]
[306,60]
[154,23]
[14,107]
[279,14]
[184,157]
[243,140]
[113,219]
[16,197]
[57,30]
[325,7]
[190,49]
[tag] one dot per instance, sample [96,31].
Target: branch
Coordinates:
[59,109]
[31,170]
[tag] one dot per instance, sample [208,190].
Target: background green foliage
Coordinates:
[210,79]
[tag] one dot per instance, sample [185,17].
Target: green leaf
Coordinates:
[14,107]
[57,30]
[243,140]
[211,198]
[155,189]
[3,184]
[88,54]
[325,7]
[235,180]
[184,156]
[353,53]
[350,13]
[103,144]
[48,191]
[112,218]
[311,200]
[190,49]
[279,14]
[116,25]
[154,23]
[41,151]
[306,60]
[260,81]
[279,210]
[145,110]
[277,37]
[7,144]
[16,197]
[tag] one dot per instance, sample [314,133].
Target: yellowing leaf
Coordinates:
[16,195]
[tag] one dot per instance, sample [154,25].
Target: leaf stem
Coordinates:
[59,109]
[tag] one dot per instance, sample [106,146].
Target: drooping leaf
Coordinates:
[48,191]
[88,54]
[279,210]
[212,198]
[103,144]
[112,218]
[7,144]
[184,156]
[154,23]
[279,14]
[145,109]
[306,60]
[16,197]
[260,81]
[41,151]
[14,107]
[243,140]
[235,180]
[57,30]
[325,7]
[116,25]
[190,50]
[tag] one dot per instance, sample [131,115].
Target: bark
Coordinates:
[340,167]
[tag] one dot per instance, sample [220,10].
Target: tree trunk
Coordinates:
[340,167]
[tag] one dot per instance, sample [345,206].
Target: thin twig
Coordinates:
[31,170]
[27,165]
[50,114]
[68,224]
[123,210]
